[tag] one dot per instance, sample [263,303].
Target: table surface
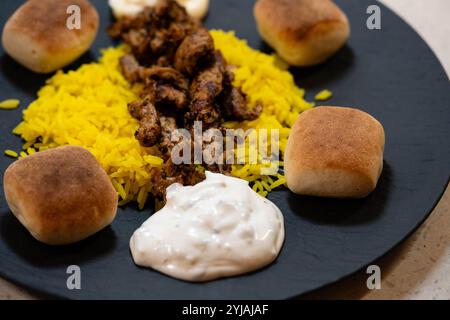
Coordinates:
[418,268]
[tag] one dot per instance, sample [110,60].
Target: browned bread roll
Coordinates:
[303,32]
[37,36]
[334,152]
[61,195]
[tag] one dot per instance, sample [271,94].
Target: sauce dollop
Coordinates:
[217,228]
[130,8]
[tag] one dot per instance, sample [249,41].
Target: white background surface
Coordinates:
[420,268]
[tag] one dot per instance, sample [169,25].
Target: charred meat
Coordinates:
[183,174]
[149,130]
[156,33]
[234,106]
[130,68]
[205,88]
[184,80]
[195,51]
[165,75]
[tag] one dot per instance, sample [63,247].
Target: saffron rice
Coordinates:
[88,108]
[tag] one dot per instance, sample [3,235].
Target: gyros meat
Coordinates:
[184,80]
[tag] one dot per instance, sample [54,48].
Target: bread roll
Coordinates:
[303,32]
[334,152]
[61,195]
[37,36]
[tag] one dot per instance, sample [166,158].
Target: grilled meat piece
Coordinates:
[165,42]
[138,41]
[167,95]
[134,108]
[167,11]
[130,68]
[233,101]
[168,126]
[155,34]
[183,174]
[149,131]
[205,87]
[166,86]
[165,75]
[160,181]
[234,106]
[195,51]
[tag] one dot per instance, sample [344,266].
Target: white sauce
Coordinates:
[130,8]
[217,228]
[195,8]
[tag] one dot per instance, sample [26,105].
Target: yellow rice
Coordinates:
[9,104]
[88,107]
[323,95]
[11,153]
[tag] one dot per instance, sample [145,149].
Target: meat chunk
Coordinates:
[167,11]
[160,181]
[196,50]
[149,131]
[166,86]
[135,108]
[233,101]
[167,95]
[138,41]
[156,33]
[130,68]
[168,125]
[183,174]
[165,75]
[205,87]
[234,106]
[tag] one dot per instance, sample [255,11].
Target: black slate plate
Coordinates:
[390,73]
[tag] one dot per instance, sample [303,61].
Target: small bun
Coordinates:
[61,195]
[334,152]
[303,32]
[37,36]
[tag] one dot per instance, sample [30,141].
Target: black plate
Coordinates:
[390,73]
